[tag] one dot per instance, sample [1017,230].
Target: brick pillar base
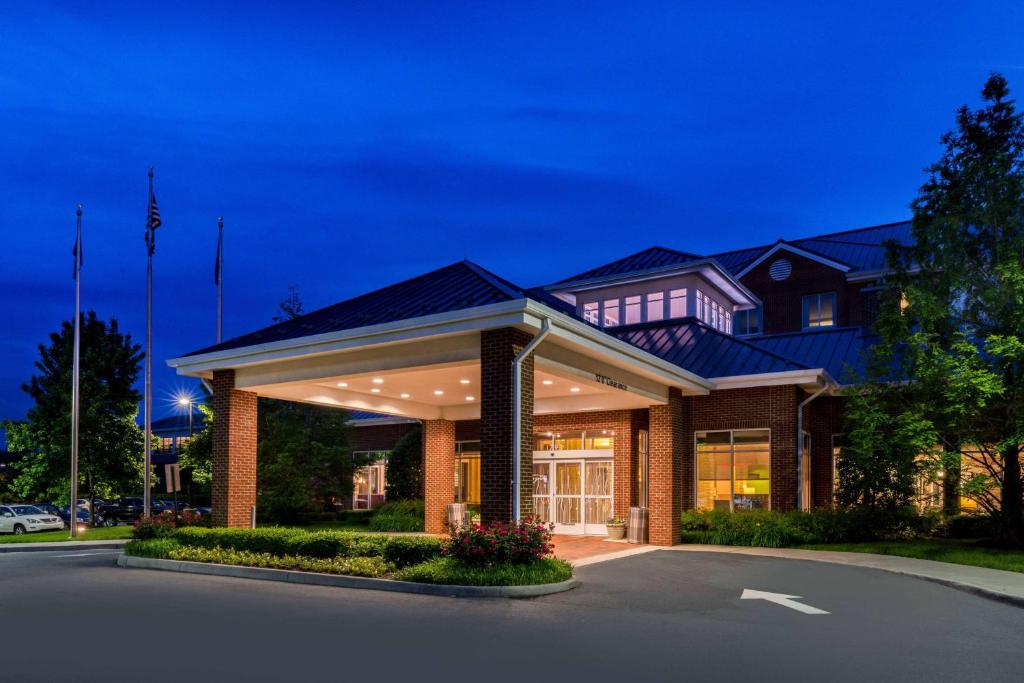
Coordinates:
[438,473]
[498,348]
[234,452]
[666,465]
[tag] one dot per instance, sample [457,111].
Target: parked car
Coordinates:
[22,519]
[81,514]
[169,504]
[129,509]
[201,511]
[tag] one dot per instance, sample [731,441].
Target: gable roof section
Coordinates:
[704,351]
[861,249]
[793,249]
[839,350]
[451,288]
[650,258]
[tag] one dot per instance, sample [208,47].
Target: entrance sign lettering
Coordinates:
[604,379]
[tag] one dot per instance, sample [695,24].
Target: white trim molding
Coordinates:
[793,250]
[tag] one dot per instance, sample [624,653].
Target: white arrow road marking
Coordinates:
[789,601]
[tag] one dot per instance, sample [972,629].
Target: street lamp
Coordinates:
[185,401]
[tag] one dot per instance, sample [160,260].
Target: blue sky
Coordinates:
[352,145]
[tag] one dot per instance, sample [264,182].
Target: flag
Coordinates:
[154,213]
[77,251]
[219,258]
[152,218]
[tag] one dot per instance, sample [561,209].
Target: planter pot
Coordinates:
[617,532]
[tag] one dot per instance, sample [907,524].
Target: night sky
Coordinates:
[348,148]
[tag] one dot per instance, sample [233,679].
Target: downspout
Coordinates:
[800,444]
[517,410]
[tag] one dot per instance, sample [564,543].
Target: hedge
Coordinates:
[767,529]
[401,551]
[401,515]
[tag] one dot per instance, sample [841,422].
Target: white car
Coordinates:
[21,519]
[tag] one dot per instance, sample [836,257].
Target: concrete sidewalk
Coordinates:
[995,584]
[61,545]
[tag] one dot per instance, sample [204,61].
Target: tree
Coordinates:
[110,441]
[958,329]
[290,307]
[404,469]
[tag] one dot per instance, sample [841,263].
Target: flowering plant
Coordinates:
[164,523]
[517,543]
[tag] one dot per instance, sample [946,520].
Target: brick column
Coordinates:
[497,350]
[666,465]
[438,473]
[234,452]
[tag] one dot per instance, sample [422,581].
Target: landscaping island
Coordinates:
[498,555]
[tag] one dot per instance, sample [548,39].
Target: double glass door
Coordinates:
[574,494]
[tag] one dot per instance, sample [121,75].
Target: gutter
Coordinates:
[800,444]
[517,417]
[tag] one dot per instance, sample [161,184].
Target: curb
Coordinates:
[341,581]
[60,545]
[864,561]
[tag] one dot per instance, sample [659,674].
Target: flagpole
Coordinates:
[148,406]
[73,519]
[220,278]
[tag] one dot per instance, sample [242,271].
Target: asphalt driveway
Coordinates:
[660,616]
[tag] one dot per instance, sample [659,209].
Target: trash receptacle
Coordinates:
[636,527]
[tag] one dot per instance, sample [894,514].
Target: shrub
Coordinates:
[350,566]
[522,543]
[404,468]
[154,547]
[280,541]
[762,528]
[969,526]
[162,525]
[401,515]
[449,571]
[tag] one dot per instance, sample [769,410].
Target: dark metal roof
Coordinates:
[861,249]
[838,350]
[702,350]
[650,258]
[458,286]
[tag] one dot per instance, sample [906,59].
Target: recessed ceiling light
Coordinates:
[549,382]
[405,395]
[375,390]
[342,384]
[471,398]
[378,380]
[463,381]
[438,392]
[574,389]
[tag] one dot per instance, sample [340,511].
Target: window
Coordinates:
[368,480]
[837,450]
[733,469]
[747,322]
[611,312]
[819,310]
[467,472]
[632,309]
[677,303]
[590,312]
[713,313]
[655,305]
[593,439]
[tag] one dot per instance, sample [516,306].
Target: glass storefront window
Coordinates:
[733,470]
[467,472]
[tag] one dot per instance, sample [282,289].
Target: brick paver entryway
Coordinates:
[572,548]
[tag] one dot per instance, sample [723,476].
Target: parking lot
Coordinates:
[657,616]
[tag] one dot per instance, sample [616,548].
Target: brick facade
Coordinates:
[498,348]
[666,451]
[234,452]
[438,473]
[771,408]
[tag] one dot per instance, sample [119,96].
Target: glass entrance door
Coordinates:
[574,494]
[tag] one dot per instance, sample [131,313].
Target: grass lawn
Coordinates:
[100,534]
[972,553]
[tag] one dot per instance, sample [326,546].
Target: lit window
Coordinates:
[611,312]
[677,303]
[819,310]
[632,309]
[747,322]
[467,472]
[733,470]
[590,312]
[655,305]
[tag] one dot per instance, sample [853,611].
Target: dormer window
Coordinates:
[677,303]
[655,305]
[632,309]
[747,322]
[713,313]
[819,310]
[611,313]
[591,312]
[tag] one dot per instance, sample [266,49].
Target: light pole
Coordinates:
[185,402]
